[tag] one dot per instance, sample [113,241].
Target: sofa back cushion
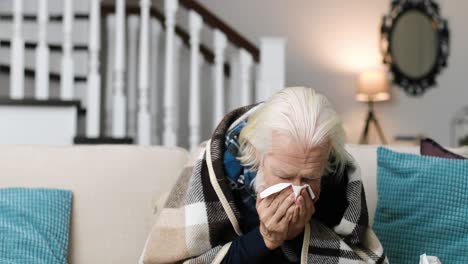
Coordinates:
[114,188]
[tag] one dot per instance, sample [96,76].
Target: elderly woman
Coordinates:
[215,214]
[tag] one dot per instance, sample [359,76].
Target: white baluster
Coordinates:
[169,136]
[144,127]
[42,54]
[67,73]
[156,29]
[245,76]
[131,84]
[17,53]
[234,81]
[118,115]
[195,24]
[94,78]
[220,43]
[110,31]
[176,76]
[272,68]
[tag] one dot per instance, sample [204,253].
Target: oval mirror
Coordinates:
[415,44]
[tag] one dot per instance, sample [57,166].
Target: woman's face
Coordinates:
[288,161]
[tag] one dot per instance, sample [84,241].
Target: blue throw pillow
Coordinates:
[422,207]
[34,225]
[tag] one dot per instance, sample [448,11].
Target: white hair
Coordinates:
[301,114]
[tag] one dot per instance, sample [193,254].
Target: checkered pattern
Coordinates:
[193,226]
[34,225]
[422,207]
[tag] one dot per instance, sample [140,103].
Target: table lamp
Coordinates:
[372,86]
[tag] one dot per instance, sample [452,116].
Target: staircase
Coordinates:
[92,72]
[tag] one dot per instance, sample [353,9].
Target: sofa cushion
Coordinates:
[422,207]
[34,225]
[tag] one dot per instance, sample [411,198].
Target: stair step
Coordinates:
[32,73]
[52,47]
[28,17]
[41,103]
[102,140]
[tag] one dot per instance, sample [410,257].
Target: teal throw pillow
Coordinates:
[422,207]
[34,225]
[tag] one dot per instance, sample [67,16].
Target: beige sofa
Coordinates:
[116,188]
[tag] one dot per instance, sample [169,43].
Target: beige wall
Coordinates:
[329,42]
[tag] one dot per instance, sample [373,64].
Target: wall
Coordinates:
[329,42]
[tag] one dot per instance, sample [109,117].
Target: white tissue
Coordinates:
[424,259]
[281,186]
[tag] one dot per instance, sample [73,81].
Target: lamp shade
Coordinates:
[372,85]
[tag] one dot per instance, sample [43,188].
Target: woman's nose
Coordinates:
[297,182]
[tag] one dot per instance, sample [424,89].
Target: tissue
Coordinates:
[281,186]
[424,259]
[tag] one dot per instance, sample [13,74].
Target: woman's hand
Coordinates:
[275,212]
[303,212]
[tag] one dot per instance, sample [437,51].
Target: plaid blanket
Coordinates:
[200,218]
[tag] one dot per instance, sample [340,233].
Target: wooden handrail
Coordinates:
[208,55]
[213,21]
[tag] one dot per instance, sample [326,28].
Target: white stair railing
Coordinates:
[220,42]
[67,74]
[109,89]
[94,77]
[17,53]
[132,83]
[132,92]
[119,100]
[271,76]
[42,54]
[156,29]
[233,81]
[144,126]
[177,91]
[195,24]
[169,136]
[132,101]
[245,65]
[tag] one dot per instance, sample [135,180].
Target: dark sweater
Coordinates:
[250,247]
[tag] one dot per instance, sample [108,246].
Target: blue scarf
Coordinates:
[239,177]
